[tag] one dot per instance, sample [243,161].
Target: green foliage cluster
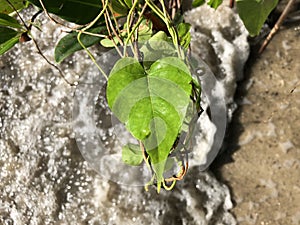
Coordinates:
[151,91]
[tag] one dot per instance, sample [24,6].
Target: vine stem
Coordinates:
[14,8]
[169,188]
[164,17]
[130,33]
[112,26]
[64,25]
[107,23]
[84,47]
[129,20]
[38,48]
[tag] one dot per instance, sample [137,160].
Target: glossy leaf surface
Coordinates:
[76,11]
[69,44]
[8,21]
[254,13]
[6,34]
[5,46]
[152,104]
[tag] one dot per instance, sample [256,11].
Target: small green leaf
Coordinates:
[184,34]
[109,43]
[69,43]
[214,3]
[76,11]
[254,13]
[197,3]
[6,8]
[145,30]
[4,47]
[157,47]
[132,155]
[151,103]
[159,36]
[8,21]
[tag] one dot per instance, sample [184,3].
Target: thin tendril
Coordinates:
[84,47]
[38,48]
[64,25]
[134,28]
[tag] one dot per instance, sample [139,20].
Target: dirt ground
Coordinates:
[261,163]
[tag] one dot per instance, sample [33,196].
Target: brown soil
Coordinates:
[261,163]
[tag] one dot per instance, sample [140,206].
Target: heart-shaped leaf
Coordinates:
[254,13]
[151,103]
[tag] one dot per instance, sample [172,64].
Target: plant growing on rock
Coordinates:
[150,88]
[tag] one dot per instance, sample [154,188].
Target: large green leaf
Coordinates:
[151,103]
[8,21]
[6,8]
[69,44]
[254,13]
[77,11]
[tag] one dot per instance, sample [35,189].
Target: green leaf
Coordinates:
[8,38]
[69,44]
[151,103]
[215,3]
[157,47]
[8,21]
[119,7]
[6,8]
[145,30]
[197,3]
[5,46]
[128,3]
[76,11]
[254,13]
[132,155]
[6,34]
[184,34]
[109,43]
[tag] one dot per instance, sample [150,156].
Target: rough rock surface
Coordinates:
[44,178]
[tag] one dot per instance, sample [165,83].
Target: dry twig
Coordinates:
[276,26]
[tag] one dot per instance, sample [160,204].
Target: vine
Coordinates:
[150,88]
